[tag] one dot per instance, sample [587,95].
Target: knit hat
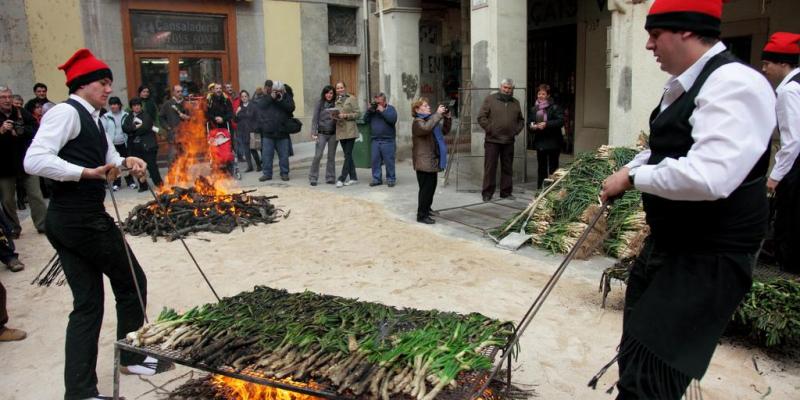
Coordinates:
[84,68]
[699,16]
[783,47]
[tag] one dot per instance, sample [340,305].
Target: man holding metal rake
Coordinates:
[704,190]
[72,149]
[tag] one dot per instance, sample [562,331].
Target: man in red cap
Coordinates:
[779,64]
[703,188]
[71,148]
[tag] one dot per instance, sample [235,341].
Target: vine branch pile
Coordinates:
[198,209]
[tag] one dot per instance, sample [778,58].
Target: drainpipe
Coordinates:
[366,47]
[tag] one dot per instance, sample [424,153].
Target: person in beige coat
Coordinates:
[346,132]
[425,152]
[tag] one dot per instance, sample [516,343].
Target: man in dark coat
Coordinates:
[501,117]
[275,110]
[17,128]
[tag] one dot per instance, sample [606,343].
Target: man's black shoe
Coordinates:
[487,198]
[284,178]
[263,178]
[248,170]
[509,197]
[330,182]
[390,184]
[426,220]
[375,184]
[313,183]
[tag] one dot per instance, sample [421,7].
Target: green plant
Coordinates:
[770,312]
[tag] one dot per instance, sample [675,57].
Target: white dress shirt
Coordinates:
[731,127]
[788,110]
[60,125]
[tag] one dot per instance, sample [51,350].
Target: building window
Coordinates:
[342,26]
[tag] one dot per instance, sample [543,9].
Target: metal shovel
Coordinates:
[514,240]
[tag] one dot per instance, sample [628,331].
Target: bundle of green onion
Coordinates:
[357,347]
[558,219]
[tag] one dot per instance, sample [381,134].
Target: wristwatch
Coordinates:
[632,175]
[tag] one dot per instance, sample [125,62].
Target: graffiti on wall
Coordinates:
[410,85]
[551,12]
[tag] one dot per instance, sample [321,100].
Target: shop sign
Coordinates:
[160,31]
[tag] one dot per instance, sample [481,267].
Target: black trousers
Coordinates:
[90,246]
[122,149]
[349,166]
[3,310]
[677,305]
[427,188]
[7,250]
[547,161]
[493,152]
[787,220]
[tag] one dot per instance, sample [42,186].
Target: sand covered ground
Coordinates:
[343,246]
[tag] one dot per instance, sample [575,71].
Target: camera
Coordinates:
[19,128]
[373,106]
[449,105]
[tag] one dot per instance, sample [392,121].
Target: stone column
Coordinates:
[499,40]
[398,25]
[636,79]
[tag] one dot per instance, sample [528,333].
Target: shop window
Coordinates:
[342,26]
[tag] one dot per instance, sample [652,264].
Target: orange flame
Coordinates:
[193,161]
[235,389]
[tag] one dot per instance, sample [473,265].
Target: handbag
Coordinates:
[292,125]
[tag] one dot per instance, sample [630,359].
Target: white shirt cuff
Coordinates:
[643,180]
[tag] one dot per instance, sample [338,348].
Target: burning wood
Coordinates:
[354,348]
[199,208]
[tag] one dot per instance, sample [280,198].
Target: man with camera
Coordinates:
[382,118]
[275,109]
[16,132]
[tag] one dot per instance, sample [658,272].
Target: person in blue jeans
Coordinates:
[382,118]
[274,110]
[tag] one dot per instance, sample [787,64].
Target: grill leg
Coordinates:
[508,379]
[116,372]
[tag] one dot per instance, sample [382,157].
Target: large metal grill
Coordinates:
[468,383]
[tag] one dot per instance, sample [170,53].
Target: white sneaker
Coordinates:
[132,186]
[150,366]
[339,184]
[349,182]
[115,188]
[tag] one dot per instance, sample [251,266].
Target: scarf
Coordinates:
[441,146]
[541,110]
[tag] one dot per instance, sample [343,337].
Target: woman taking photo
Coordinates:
[346,114]
[546,120]
[426,152]
[246,119]
[323,131]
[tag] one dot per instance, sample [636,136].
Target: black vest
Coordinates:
[736,223]
[88,150]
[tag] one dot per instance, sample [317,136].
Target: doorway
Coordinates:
[552,60]
[344,68]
